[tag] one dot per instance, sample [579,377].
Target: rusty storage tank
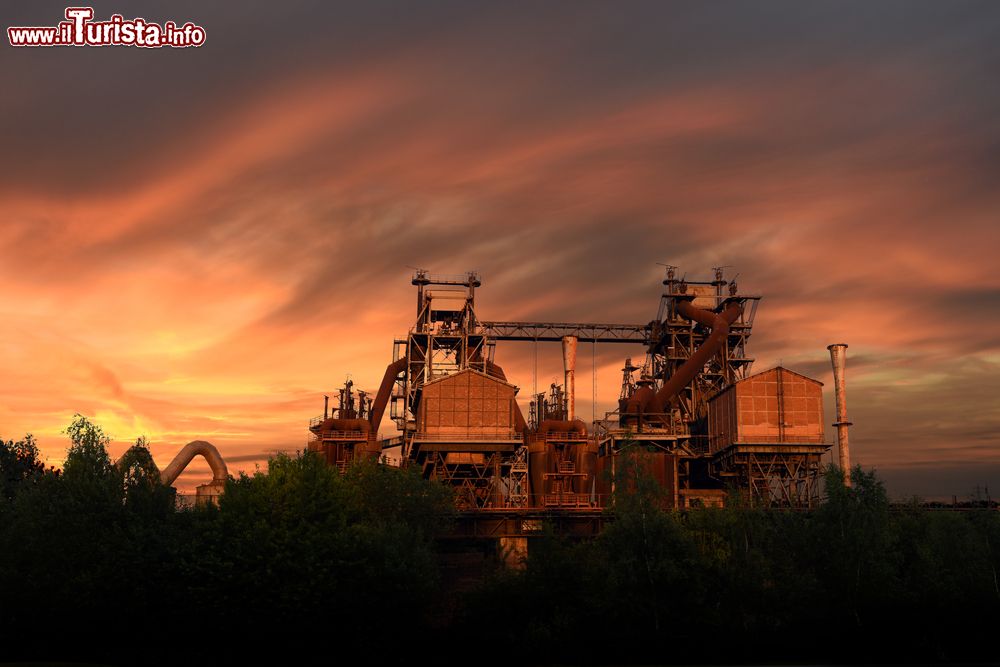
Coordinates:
[587,464]
[772,407]
[562,462]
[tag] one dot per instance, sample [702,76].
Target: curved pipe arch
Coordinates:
[220,473]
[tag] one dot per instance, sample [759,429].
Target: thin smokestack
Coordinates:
[838,357]
[569,366]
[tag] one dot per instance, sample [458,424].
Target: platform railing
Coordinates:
[567,499]
[479,434]
[341,435]
[566,437]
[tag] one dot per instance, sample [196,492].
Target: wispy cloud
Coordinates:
[203,254]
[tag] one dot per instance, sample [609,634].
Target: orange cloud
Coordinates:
[214,279]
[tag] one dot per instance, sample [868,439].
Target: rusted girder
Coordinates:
[556,331]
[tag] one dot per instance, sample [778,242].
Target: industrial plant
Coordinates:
[691,410]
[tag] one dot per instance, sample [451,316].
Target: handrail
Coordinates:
[342,435]
[567,499]
[475,435]
[566,436]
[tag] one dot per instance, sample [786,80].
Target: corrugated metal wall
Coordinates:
[467,403]
[775,406]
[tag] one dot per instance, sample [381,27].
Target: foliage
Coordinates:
[142,492]
[20,465]
[646,550]
[858,541]
[298,546]
[137,467]
[739,583]
[87,456]
[300,558]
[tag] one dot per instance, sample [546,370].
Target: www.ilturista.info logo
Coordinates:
[79,30]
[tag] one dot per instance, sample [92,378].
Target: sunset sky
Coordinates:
[198,243]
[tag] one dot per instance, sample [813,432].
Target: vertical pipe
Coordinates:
[838,357]
[326,407]
[569,366]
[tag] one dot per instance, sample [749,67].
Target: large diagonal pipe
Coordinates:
[220,473]
[392,371]
[719,323]
[644,400]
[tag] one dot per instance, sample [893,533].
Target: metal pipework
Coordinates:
[569,368]
[384,393]
[838,357]
[220,473]
[558,426]
[719,324]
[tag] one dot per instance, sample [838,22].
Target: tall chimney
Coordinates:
[838,357]
[569,366]
[326,407]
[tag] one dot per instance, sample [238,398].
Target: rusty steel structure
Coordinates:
[349,432]
[766,435]
[704,425]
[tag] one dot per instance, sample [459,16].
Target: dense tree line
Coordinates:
[855,580]
[98,563]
